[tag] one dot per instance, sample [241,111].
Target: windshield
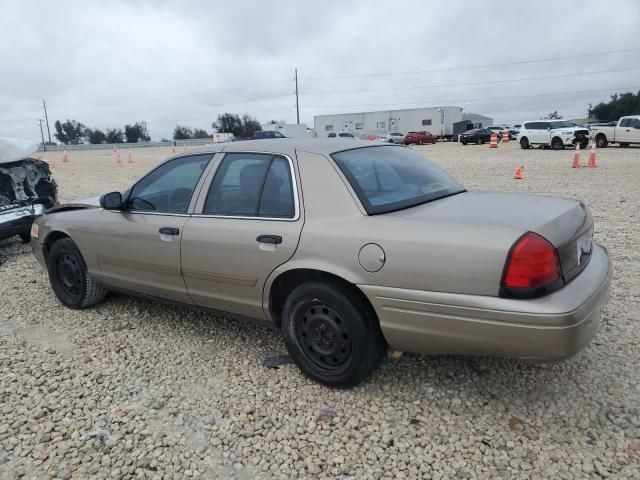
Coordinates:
[561,124]
[392,178]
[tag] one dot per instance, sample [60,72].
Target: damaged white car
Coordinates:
[27,188]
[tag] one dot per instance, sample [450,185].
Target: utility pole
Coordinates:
[297,104]
[44,105]
[44,145]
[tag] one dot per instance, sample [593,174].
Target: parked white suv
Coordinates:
[552,133]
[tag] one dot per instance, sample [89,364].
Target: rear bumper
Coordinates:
[550,328]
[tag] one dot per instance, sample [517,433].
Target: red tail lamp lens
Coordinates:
[532,262]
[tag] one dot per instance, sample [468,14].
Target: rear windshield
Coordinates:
[390,178]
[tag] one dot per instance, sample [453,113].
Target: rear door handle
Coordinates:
[274,239]
[169,231]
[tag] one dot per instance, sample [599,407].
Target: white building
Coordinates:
[437,120]
[292,130]
[479,121]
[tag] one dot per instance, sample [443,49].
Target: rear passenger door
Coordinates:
[246,223]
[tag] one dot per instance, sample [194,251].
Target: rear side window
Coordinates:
[251,185]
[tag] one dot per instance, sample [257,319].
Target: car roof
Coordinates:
[288,146]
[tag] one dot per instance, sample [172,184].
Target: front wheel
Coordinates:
[332,333]
[69,278]
[601,141]
[524,143]
[420,142]
[557,143]
[464,142]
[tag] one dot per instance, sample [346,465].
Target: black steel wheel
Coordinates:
[332,333]
[69,278]
[325,339]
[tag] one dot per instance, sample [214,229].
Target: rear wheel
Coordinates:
[69,278]
[557,143]
[524,143]
[420,142]
[601,141]
[332,333]
[479,141]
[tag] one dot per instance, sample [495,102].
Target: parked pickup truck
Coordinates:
[624,133]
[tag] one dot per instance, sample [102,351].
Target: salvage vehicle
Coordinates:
[27,188]
[556,134]
[348,247]
[624,132]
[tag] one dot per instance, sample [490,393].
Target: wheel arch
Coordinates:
[282,283]
[50,239]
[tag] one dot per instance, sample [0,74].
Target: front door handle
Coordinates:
[169,231]
[274,239]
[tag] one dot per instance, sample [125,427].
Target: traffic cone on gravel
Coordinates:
[53,164]
[65,157]
[118,160]
[493,143]
[173,149]
[505,136]
[130,160]
[518,174]
[576,157]
[592,156]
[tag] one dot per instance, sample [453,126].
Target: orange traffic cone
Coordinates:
[65,157]
[576,157]
[173,149]
[494,141]
[505,136]
[592,156]
[53,165]
[130,159]
[518,174]
[118,160]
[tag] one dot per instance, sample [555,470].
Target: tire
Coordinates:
[524,143]
[464,142]
[601,141]
[584,144]
[25,236]
[332,334]
[479,141]
[557,143]
[69,278]
[420,142]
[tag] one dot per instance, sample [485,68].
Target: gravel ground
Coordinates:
[133,389]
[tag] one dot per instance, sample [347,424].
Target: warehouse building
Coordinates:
[437,120]
[478,121]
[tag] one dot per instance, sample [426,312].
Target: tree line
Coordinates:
[72,132]
[241,127]
[620,105]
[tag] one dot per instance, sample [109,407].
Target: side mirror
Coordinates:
[111,201]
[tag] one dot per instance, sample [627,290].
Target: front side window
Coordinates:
[392,178]
[251,185]
[625,122]
[168,188]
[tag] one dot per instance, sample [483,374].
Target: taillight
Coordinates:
[532,263]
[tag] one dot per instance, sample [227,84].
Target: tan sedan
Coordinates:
[349,247]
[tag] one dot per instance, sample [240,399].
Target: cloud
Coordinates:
[185,62]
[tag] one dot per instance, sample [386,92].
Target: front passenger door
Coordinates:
[138,248]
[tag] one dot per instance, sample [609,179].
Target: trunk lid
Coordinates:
[564,222]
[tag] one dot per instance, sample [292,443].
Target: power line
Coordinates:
[471,67]
[441,101]
[419,87]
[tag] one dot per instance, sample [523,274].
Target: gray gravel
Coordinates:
[133,389]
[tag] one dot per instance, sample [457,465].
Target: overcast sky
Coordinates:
[111,63]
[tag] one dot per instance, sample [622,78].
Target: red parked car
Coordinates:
[419,138]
